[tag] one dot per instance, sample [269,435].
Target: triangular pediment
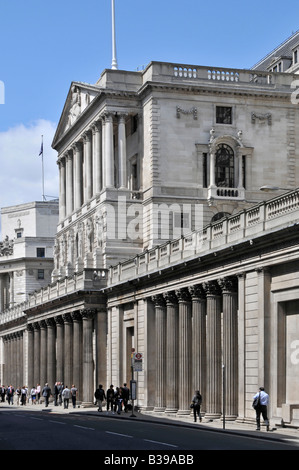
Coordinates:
[79,98]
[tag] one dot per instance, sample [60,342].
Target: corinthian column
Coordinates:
[230,345]
[69,184]
[78,177]
[122,151]
[172,381]
[77,352]
[43,353]
[97,158]
[109,151]
[60,349]
[160,332]
[68,350]
[62,189]
[88,385]
[199,338]
[185,341]
[213,401]
[87,167]
[51,352]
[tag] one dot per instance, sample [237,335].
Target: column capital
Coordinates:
[170,298]
[212,288]
[158,300]
[228,285]
[76,315]
[88,313]
[67,318]
[183,295]
[50,322]
[197,292]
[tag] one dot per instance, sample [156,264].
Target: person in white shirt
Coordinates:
[262,408]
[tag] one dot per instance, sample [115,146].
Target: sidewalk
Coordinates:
[249,429]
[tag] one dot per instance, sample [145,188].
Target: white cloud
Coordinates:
[21,165]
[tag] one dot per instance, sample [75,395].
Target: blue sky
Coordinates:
[46,45]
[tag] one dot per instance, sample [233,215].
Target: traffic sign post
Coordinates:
[136,365]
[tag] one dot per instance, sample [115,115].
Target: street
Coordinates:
[32,430]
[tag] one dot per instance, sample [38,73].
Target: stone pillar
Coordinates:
[77,353]
[185,350]
[36,377]
[62,189]
[214,369]
[88,369]
[43,354]
[78,176]
[69,184]
[101,325]
[122,152]
[199,356]
[59,349]
[68,350]
[109,151]
[230,345]
[30,333]
[87,167]
[97,158]
[160,334]
[172,379]
[51,352]
[212,169]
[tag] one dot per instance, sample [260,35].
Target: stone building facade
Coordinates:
[165,244]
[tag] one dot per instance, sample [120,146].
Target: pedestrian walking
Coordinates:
[195,405]
[9,394]
[110,397]
[100,396]
[56,393]
[260,404]
[33,394]
[46,393]
[74,391]
[23,395]
[125,396]
[66,395]
[38,393]
[118,400]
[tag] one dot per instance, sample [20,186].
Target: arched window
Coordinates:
[224,176]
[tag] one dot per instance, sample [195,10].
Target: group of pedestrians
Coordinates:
[22,395]
[35,395]
[116,399]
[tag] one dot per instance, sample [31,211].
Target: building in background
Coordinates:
[165,244]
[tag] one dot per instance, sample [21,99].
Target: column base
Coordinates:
[171,410]
[87,404]
[183,412]
[212,416]
[159,409]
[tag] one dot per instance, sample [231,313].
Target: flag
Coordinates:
[41,149]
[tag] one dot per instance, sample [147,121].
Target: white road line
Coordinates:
[56,422]
[82,427]
[118,434]
[36,419]
[161,443]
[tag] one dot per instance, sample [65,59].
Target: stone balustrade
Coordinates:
[265,216]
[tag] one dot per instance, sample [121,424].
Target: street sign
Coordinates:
[137,362]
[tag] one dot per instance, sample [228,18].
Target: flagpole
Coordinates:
[114,65]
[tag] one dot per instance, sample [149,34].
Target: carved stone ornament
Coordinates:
[180,111]
[75,108]
[6,247]
[261,118]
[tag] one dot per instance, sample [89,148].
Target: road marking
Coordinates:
[82,427]
[56,422]
[161,443]
[36,419]
[118,434]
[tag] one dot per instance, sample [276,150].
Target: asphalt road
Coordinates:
[42,431]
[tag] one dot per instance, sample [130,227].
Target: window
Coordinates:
[224,166]
[40,274]
[19,234]
[40,252]
[295,56]
[223,115]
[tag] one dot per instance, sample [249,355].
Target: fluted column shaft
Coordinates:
[230,345]
[69,185]
[62,189]
[97,158]
[36,377]
[87,167]
[109,152]
[59,349]
[172,381]
[78,176]
[199,355]
[43,355]
[68,352]
[122,164]
[214,376]
[160,333]
[88,388]
[30,333]
[77,352]
[51,352]
[185,372]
